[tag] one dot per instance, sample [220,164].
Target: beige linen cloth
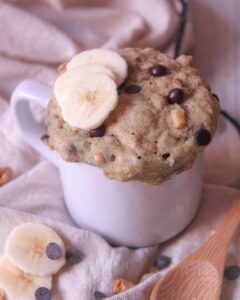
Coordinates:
[36,36]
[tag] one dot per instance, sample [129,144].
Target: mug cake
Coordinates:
[135,113]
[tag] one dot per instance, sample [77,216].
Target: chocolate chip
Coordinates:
[43,293]
[203,137]
[165,155]
[72,257]
[53,251]
[175,96]
[215,96]
[139,157]
[121,87]
[132,89]
[99,295]
[232,272]
[163,262]
[45,137]
[97,132]
[158,70]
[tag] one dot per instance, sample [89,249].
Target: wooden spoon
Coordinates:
[199,276]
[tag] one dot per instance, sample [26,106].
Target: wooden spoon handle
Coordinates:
[215,249]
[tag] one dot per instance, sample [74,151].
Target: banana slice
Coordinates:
[85,100]
[36,249]
[19,285]
[2,295]
[110,59]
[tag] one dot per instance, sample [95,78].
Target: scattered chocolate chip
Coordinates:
[165,155]
[158,70]
[99,295]
[215,96]
[163,262]
[155,152]
[121,87]
[175,96]
[43,293]
[133,133]
[97,132]
[72,257]
[45,137]
[155,142]
[72,149]
[139,157]
[132,89]
[53,251]
[112,157]
[203,137]
[232,272]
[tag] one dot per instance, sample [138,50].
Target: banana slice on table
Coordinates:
[35,249]
[110,59]
[21,286]
[2,294]
[85,100]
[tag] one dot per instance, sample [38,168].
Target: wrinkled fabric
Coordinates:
[35,37]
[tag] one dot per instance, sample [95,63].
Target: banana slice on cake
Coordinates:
[110,59]
[18,285]
[85,100]
[35,249]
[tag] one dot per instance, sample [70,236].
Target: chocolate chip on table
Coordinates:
[97,132]
[163,262]
[165,155]
[99,295]
[44,137]
[53,251]
[215,96]
[158,70]
[202,137]
[132,89]
[232,272]
[43,293]
[72,257]
[175,96]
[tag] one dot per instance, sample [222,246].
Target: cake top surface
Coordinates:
[164,117]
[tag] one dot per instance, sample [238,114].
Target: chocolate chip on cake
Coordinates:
[97,132]
[53,251]
[132,89]
[43,293]
[175,96]
[158,70]
[203,137]
[165,155]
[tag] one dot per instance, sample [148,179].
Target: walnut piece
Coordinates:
[121,285]
[5,175]
[152,271]
[178,117]
[99,158]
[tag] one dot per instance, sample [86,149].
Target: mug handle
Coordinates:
[31,131]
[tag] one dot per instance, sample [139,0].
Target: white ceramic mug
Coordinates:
[130,213]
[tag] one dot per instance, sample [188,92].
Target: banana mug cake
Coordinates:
[135,113]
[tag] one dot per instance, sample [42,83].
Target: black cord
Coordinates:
[179,40]
[234,122]
[181,28]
